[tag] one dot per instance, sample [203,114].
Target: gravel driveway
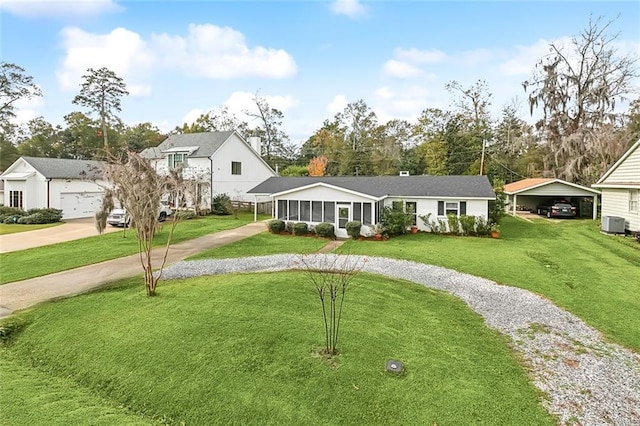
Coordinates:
[588,380]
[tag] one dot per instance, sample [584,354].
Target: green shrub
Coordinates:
[275,226]
[10,211]
[454,223]
[221,205]
[184,214]
[300,228]
[32,219]
[325,230]
[288,227]
[7,214]
[483,227]
[496,208]
[353,229]
[45,215]
[468,224]
[395,222]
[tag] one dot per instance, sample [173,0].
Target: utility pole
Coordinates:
[484,144]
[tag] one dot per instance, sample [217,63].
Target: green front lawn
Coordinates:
[35,262]
[594,276]
[15,228]
[239,349]
[264,244]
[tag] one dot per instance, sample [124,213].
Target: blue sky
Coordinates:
[308,58]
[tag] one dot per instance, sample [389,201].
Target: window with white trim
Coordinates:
[633,200]
[236,168]
[457,208]
[176,159]
[15,199]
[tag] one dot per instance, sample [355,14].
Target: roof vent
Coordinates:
[404,173]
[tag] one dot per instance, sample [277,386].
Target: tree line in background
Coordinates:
[577,90]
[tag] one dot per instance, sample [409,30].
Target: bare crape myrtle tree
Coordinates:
[136,185]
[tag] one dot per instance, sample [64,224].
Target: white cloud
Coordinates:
[417,56]
[350,8]
[384,93]
[192,116]
[337,104]
[406,102]
[475,57]
[239,102]
[59,8]
[523,61]
[122,51]
[222,53]
[27,109]
[398,69]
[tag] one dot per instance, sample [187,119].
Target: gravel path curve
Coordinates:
[588,380]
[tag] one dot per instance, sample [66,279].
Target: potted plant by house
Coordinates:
[379,231]
[414,229]
[495,231]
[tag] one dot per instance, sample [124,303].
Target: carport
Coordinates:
[526,194]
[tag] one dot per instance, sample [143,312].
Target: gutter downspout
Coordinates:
[211,182]
[48,193]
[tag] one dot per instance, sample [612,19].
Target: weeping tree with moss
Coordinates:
[331,276]
[138,188]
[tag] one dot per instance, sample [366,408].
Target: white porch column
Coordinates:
[255,208]
[595,207]
[515,202]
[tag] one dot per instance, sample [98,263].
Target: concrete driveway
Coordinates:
[72,229]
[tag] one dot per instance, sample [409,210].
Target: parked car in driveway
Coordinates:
[556,208]
[119,216]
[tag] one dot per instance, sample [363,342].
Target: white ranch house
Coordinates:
[72,186]
[223,161]
[338,200]
[620,187]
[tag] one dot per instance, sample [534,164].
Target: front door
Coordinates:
[344,216]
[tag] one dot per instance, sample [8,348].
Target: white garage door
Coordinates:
[75,205]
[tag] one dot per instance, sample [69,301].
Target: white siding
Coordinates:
[556,190]
[424,206]
[254,170]
[615,202]
[628,171]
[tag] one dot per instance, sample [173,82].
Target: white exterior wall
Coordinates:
[628,171]
[615,202]
[254,170]
[425,206]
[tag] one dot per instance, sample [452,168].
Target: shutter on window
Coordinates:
[463,207]
[440,208]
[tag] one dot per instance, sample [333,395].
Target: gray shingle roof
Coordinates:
[64,168]
[207,144]
[397,186]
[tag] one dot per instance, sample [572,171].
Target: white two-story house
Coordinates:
[222,162]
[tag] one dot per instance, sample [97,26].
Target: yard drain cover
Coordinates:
[395,366]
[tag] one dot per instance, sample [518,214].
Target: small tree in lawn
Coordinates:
[331,276]
[138,187]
